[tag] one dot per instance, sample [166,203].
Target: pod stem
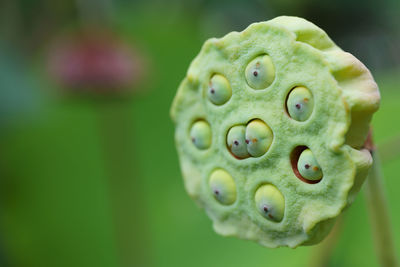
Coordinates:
[379,212]
[323,253]
[127,201]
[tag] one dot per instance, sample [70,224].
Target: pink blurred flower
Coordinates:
[95,62]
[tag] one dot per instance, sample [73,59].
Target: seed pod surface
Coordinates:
[288,119]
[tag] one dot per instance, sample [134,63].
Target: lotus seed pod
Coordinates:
[236,141]
[223,187]
[285,52]
[270,202]
[219,90]
[308,166]
[200,134]
[300,103]
[260,72]
[258,138]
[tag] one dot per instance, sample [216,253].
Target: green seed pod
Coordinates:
[200,134]
[270,202]
[300,103]
[260,72]
[308,166]
[258,138]
[236,141]
[219,90]
[285,51]
[223,187]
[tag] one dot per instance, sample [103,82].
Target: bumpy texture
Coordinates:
[285,53]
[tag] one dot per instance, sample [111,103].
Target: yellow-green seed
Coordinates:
[200,134]
[236,141]
[258,138]
[260,73]
[308,166]
[270,202]
[300,103]
[219,90]
[223,187]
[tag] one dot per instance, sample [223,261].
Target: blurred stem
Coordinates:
[323,252]
[127,204]
[379,213]
[11,22]
[390,149]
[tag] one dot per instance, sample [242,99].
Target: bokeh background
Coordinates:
[89,174]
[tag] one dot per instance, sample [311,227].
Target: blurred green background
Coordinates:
[89,171]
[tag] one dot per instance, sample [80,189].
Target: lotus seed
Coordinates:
[223,187]
[219,91]
[258,138]
[236,141]
[200,134]
[308,166]
[260,72]
[300,103]
[270,202]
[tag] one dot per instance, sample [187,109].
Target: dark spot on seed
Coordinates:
[265,208]
[307,166]
[236,143]
[212,91]
[216,192]
[270,216]
[255,73]
[193,139]
[298,106]
[247,141]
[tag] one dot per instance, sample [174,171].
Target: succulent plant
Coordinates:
[307,103]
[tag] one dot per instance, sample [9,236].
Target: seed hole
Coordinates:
[270,202]
[299,103]
[200,134]
[223,187]
[260,72]
[219,90]
[294,159]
